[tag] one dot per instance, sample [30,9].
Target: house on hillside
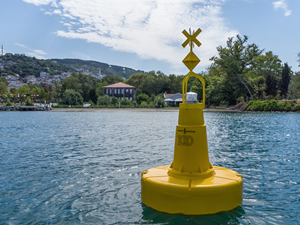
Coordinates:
[173,99]
[11,77]
[30,79]
[120,91]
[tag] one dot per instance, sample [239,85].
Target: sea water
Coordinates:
[85,167]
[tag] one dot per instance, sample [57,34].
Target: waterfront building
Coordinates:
[173,99]
[120,91]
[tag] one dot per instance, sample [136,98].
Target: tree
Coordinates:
[175,83]
[3,79]
[14,90]
[149,85]
[3,87]
[285,80]
[100,89]
[142,97]
[93,95]
[111,79]
[295,86]
[136,80]
[271,85]
[235,60]
[71,82]
[28,101]
[72,97]
[57,90]
[43,94]
[159,101]
[114,100]
[265,73]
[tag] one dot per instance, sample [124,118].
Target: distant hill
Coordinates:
[25,65]
[94,67]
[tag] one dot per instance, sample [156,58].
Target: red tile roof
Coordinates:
[119,85]
[167,95]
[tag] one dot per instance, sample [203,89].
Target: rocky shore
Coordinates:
[25,108]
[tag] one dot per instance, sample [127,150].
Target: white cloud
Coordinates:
[40,2]
[149,28]
[282,4]
[33,52]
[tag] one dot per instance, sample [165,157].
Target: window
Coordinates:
[122,91]
[110,91]
[130,91]
[126,90]
[130,98]
[106,91]
[116,91]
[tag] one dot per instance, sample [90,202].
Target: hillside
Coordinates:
[94,67]
[25,65]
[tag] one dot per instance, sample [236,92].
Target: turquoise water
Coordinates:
[84,167]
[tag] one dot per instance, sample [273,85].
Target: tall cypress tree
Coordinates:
[285,80]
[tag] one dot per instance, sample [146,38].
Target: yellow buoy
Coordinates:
[191,185]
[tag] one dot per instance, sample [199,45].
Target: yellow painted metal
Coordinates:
[185,83]
[191,37]
[191,61]
[191,185]
[191,195]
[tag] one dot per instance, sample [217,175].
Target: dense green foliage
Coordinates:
[272,105]
[154,83]
[72,97]
[242,71]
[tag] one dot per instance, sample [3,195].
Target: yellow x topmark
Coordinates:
[191,37]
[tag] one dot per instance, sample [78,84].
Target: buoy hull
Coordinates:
[192,195]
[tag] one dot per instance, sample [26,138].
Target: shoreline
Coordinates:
[138,109]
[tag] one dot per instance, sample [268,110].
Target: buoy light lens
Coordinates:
[191,97]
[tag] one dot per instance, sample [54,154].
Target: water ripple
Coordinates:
[84,167]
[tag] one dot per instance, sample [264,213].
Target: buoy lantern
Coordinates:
[191,185]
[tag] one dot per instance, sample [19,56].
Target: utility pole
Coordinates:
[2,51]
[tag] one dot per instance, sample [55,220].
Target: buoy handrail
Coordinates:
[185,84]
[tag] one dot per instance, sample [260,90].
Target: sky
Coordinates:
[147,34]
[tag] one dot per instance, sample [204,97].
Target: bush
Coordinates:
[151,105]
[257,106]
[159,101]
[288,107]
[8,103]
[134,104]
[125,102]
[247,107]
[142,97]
[271,105]
[114,100]
[28,102]
[284,106]
[103,100]
[296,107]
[143,105]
